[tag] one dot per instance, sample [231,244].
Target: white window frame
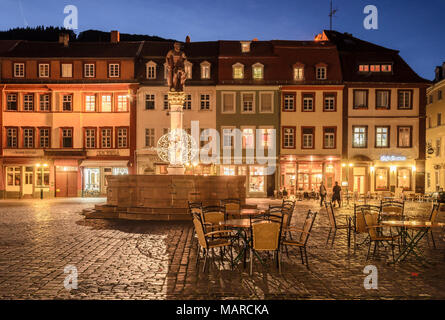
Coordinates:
[150,97]
[321,75]
[260,67]
[234,67]
[253,101]
[311,98]
[233,94]
[150,70]
[12,98]
[28,102]
[307,135]
[90,103]
[245,46]
[122,101]
[43,70]
[114,70]
[244,145]
[45,138]
[122,139]
[294,99]
[44,102]
[297,70]
[28,138]
[291,136]
[262,128]
[105,102]
[19,70]
[333,140]
[89,70]
[271,93]
[67,98]
[205,70]
[107,138]
[90,139]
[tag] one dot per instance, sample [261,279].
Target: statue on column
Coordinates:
[176,73]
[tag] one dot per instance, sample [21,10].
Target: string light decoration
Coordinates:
[177,147]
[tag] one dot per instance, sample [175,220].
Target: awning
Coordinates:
[104,163]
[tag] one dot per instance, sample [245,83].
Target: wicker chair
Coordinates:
[194,207]
[392,209]
[358,222]
[334,225]
[211,240]
[303,238]
[376,236]
[265,236]
[433,216]
[232,208]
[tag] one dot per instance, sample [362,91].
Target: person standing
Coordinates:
[336,194]
[323,193]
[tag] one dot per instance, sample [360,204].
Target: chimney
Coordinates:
[64,38]
[115,36]
[187,39]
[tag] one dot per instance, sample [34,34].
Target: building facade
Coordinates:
[67,113]
[383,120]
[435,133]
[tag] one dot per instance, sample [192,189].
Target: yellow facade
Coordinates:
[435,137]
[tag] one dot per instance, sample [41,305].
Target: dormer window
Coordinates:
[258,71]
[386,68]
[238,71]
[245,46]
[150,70]
[321,72]
[375,68]
[363,68]
[205,70]
[188,69]
[298,72]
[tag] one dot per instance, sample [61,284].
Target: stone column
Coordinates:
[176,103]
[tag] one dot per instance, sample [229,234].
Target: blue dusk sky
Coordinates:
[416,28]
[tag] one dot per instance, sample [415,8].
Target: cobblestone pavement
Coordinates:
[156,260]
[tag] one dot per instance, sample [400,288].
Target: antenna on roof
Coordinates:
[332,12]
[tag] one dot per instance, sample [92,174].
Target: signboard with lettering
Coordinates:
[392,158]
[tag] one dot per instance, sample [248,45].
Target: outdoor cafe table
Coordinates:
[241,225]
[421,229]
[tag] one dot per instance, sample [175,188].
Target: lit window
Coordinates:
[151,70]
[238,71]
[298,73]
[257,71]
[227,137]
[43,70]
[106,138]
[382,137]
[205,70]
[359,137]
[381,178]
[245,46]
[404,140]
[375,68]
[363,68]
[188,69]
[122,103]
[248,138]
[67,70]
[19,70]
[329,138]
[113,70]
[404,178]
[106,103]
[88,70]
[13,176]
[386,68]
[90,103]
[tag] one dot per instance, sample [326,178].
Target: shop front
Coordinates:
[94,175]
[305,174]
[258,183]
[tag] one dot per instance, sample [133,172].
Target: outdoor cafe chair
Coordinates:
[375,231]
[265,236]
[358,222]
[194,207]
[207,241]
[392,209]
[302,240]
[212,216]
[433,216]
[334,225]
[232,207]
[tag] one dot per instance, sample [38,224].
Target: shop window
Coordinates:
[256,179]
[248,138]
[13,176]
[404,178]
[228,170]
[43,176]
[381,179]
[120,171]
[92,179]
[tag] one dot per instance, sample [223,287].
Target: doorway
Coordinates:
[66,184]
[29,181]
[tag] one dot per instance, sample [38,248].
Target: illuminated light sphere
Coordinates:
[177,147]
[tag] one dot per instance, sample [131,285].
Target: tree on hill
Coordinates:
[40,33]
